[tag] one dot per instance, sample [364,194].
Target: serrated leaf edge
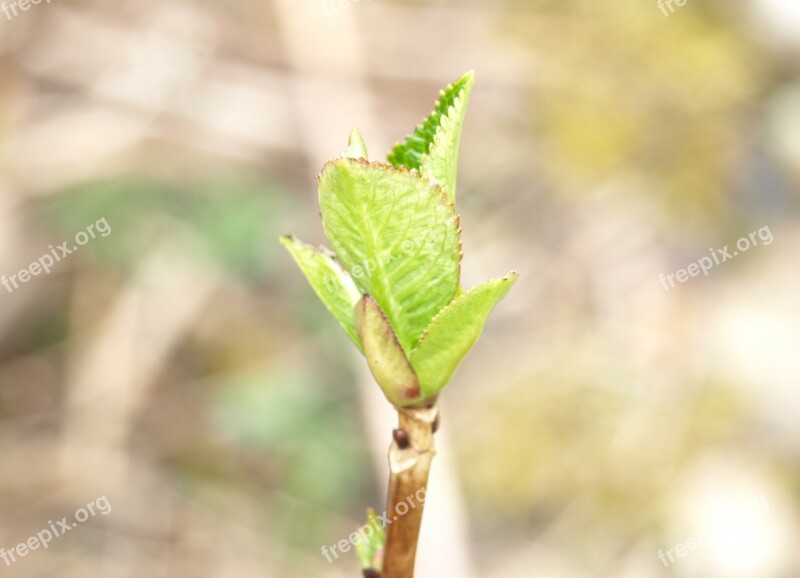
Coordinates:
[455,110]
[347,280]
[415,174]
[458,299]
[436,107]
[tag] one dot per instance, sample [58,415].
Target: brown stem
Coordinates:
[410,458]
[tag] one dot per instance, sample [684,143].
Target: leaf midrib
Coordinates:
[371,243]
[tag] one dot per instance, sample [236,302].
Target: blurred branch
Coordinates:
[115,372]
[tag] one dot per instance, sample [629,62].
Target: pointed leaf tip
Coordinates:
[454,331]
[433,147]
[370,544]
[440,163]
[356,147]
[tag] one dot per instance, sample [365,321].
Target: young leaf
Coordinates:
[356,147]
[370,551]
[363,553]
[377,539]
[454,331]
[441,164]
[397,236]
[385,357]
[330,282]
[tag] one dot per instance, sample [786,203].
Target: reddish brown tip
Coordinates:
[401,438]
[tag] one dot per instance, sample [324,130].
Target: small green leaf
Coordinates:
[330,282]
[397,236]
[385,357]
[356,147]
[446,119]
[370,551]
[363,553]
[454,331]
[377,539]
[440,163]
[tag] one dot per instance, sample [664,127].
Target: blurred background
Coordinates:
[181,366]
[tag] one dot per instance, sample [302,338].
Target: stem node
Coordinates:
[410,457]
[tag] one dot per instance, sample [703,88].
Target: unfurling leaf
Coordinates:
[394,283]
[356,147]
[370,543]
[386,359]
[330,282]
[440,163]
[397,236]
[454,331]
[433,147]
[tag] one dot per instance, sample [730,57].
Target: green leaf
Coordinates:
[440,163]
[363,553]
[377,539]
[437,137]
[385,357]
[397,236]
[330,282]
[454,331]
[370,551]
[356,147]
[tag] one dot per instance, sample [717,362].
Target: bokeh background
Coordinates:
[182,367]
